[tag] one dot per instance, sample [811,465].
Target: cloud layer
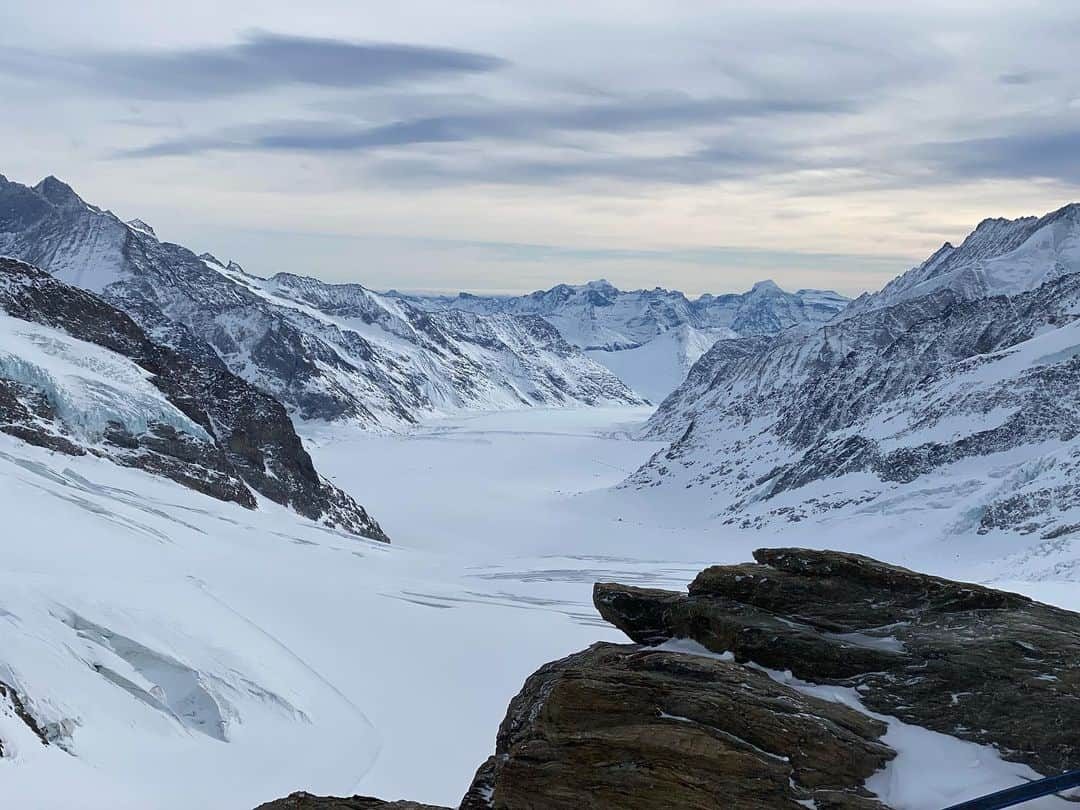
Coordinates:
[705,129]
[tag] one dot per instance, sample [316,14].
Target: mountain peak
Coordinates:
[601,284]
[57,191]
[766,285]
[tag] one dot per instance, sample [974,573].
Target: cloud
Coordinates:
[1021,155]
[656,112]
[260,61]
[1023,77]
[692,167]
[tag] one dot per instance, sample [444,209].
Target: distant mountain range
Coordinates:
[618,328]
[953,389]
[326,351]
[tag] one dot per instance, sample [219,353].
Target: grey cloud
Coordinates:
[694,167]
[258,62]
[655,112]
[1022,77]
[1021,155]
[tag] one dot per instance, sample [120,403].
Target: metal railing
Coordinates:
[1023,793]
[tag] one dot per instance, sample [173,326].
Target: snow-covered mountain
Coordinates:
[1000,257]
[650,338]
[325,351]
[79,377]
[598,316]
[954,390]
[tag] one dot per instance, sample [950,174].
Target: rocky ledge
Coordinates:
[693,714]
[306,801]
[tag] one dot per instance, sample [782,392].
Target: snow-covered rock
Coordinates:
[326,351]
[80,377]
[1000,257]
[950,401]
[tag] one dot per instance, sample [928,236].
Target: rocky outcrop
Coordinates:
[983,665]
[240,441]
[11,700]
[306,801]
[697,715]
[621,726]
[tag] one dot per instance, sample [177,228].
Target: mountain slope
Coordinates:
[949,401]
[657,367]
[78,376]
[325,351]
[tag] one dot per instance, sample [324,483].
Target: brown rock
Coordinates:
[621,726]
[980,664]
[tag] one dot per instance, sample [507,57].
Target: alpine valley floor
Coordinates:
[192,653]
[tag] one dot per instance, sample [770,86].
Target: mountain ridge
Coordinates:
[143,405]
[598,316]
[969,396]
[384,365]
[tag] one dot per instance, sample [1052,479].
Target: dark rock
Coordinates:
[983,665]
[26,414]
[306,801]
[9,694]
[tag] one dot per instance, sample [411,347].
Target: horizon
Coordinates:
[514,292]
[484,148]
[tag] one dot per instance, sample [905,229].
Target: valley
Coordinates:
[370,659]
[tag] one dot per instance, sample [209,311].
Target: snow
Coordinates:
[88,386]
[931,770]
[193,653]
[658,367]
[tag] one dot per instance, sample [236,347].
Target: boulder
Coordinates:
[980,664]
[622,726]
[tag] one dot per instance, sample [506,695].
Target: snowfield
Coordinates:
[185,652]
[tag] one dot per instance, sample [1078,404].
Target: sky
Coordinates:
[509,146]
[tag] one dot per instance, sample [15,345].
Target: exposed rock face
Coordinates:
[967,391]
[619,726]
[11,700]
[238,439]
[979,664]
[326,351]
[306,801]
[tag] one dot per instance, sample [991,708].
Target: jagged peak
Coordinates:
[57,191]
